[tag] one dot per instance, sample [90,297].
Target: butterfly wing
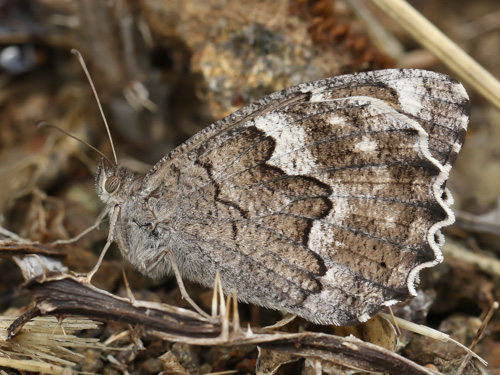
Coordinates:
[325,199]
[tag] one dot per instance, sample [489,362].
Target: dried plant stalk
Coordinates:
[45,344]
[424,32]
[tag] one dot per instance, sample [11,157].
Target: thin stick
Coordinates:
[384,40]
[393,319]
[485,322]
[127,288]
[236,313]
[429,332]
[464,66]
[222,305]
[485,263]
[84,67]
[59,324]
[215,304]
[7,233]
[224,333]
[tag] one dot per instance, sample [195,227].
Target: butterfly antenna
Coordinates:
[44,124]
[84,67]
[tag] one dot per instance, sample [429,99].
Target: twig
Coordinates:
[485,322]
[65,294]
[485,263]
[429,332]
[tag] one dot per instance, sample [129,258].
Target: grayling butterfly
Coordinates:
[324,200]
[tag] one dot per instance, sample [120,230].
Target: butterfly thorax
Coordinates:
[140,223]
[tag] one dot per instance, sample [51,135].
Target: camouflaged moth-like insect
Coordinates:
[324,200]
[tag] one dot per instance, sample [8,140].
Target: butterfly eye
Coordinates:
[112,184]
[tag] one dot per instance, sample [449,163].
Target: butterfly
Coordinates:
[324,200]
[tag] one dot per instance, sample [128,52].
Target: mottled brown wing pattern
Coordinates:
[325,199]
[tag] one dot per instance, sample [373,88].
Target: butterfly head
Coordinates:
[113,183]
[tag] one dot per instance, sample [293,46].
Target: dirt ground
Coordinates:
[164,70]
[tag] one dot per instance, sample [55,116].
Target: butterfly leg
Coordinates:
[184,293]
[84,233]
[114,217]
